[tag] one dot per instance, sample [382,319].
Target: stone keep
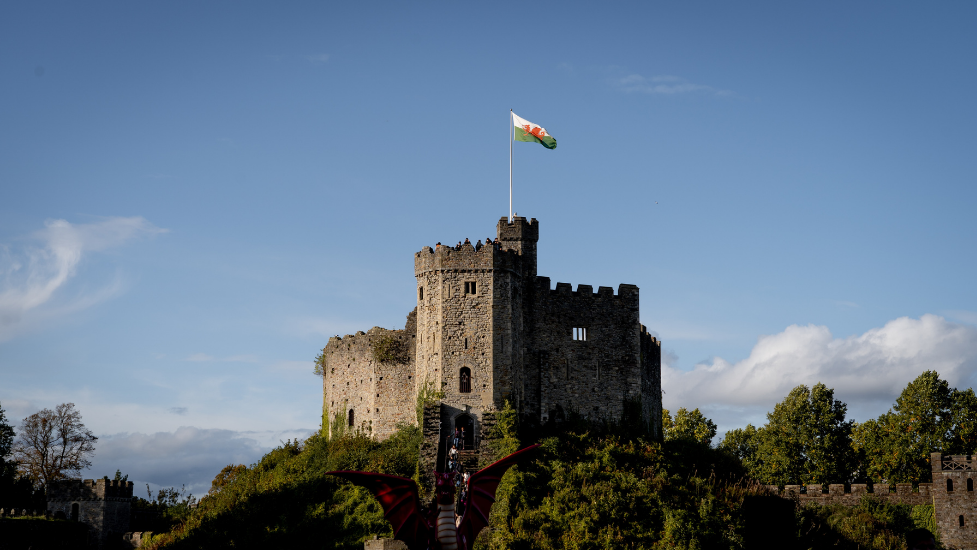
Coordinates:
[487,329]
[103,504]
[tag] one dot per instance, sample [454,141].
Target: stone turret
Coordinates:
[103,504]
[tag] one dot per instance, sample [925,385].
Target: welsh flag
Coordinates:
[527,131]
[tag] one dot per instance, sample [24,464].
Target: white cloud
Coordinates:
[665,85]
[318,57]
[867,371]
[32,275]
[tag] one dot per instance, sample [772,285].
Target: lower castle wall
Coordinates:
[836,494]
[380,394]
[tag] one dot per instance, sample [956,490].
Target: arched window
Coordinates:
[351,418]
[465,380]
[970,484]
[74,511]
[949,485]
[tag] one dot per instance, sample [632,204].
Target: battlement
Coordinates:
[850,495]
[953,463]
[447,258]
[519,229]
[626,291]
[89,489]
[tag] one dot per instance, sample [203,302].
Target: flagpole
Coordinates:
[512,136]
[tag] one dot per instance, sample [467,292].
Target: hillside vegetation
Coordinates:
[590,486]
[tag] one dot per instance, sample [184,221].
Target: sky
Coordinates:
[195,197]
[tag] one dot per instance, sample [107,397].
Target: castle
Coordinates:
[487,330]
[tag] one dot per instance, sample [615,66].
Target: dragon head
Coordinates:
[445,487]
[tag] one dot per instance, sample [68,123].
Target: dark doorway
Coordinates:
[74,511]
[468,423]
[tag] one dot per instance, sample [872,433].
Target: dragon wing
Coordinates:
[481,495]
[401,506]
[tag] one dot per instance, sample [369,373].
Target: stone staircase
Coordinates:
[469,460]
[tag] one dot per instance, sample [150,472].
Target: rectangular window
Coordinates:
[580,333]
[470,287]
[420,294]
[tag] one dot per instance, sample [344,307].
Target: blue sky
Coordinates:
[193,198]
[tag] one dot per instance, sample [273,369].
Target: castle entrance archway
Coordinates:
[468,423]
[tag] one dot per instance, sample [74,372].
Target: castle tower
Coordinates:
[470,313]
[955,498]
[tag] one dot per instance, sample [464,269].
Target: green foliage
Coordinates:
[589,487]
[286,500]
[320,363]
[15,491]
[928,416]
[688,425]
[427,394]
[388,349]
[806,440]
[874,524]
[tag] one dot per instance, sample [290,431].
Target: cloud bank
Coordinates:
[867,372]
[31,275]
[188,455]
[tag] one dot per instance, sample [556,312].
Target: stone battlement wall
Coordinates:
[447,258]
[89,489]
[851,495]
[624,291]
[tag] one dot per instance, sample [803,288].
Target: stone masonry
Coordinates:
[954,477]
[103,504]
[487,330]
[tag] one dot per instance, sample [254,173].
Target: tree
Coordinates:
[928,416]
[54,445]
[806,440]
[688,425]
[15,491]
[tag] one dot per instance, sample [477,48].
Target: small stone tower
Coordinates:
[103,504]
[954,499]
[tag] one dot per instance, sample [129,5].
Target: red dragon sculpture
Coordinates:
[437,527]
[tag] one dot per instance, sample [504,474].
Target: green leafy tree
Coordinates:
[688,425]
[743,444]
[806,440]
[928,416]
[15,491]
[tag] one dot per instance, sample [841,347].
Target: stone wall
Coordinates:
[904,493]
[592,376]
[651,382]
[380,394]
[430,446]
[952,495]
